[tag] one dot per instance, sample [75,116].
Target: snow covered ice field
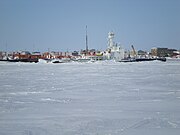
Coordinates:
[101,98]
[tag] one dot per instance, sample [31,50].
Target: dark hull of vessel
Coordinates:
[161,59]
[28,60]
[21,60]
[10,60]
[57,62]
[143,59]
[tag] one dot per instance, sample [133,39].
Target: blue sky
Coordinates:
[37,25]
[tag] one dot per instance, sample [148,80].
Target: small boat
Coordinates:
[57,61]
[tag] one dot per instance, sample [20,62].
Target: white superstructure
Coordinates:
[110,39]
[114,51]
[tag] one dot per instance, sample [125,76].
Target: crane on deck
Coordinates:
[134,52]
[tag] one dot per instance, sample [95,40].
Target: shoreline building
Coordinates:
[162,52]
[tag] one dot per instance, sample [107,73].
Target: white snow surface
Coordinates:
[101,98]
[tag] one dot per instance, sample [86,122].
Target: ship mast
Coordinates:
[86,41]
